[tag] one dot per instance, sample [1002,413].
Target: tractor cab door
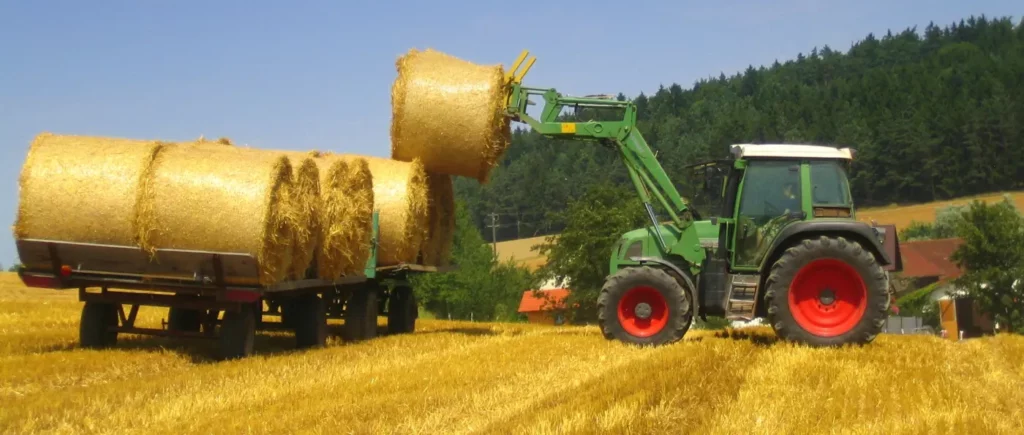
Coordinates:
[769,198]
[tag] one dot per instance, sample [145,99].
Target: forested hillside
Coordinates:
[933,114]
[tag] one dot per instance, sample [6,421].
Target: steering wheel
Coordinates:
[770,209]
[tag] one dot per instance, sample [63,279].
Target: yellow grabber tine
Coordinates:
[510,75]
[529,64]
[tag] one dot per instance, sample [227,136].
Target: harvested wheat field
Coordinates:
[902,216]
[460,377]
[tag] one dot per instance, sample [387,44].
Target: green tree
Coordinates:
[480,288]
[917,231]
[579,257]
[992,257]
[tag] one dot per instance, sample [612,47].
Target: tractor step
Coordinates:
[742,297]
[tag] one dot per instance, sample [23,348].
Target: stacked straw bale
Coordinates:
[437,247]
[449,114]
[400,195]
[83,189]
[306,178]
[204,196]
[343,214]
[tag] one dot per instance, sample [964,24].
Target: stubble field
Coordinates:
[461,377]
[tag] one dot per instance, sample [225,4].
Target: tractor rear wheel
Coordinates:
[828,291]
[644,306]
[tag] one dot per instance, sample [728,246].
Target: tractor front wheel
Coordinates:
[827,291]
[644,306]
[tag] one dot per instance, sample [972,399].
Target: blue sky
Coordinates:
[317,74]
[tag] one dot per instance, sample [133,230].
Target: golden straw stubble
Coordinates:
[82,189]
[437,247]
[222,199]
[448,113]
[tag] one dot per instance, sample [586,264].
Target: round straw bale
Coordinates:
[82,189]
[306,179]
[344,214]
[400,195]
[449,113]
[438,246]
[221,199]
[347,217]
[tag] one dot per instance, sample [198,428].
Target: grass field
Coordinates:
[903,215]
[457,377]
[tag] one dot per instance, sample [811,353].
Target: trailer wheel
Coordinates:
[184,319]
[402,311]
[238,333]
[310,321]
[361,315]
[94,327]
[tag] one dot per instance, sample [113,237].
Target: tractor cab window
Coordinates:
[829,184]
[769,200]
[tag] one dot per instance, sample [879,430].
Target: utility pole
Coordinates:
[494,232]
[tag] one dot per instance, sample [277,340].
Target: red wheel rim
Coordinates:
[828,297]
[643,311]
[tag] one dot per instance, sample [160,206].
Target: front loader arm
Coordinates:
[648,176]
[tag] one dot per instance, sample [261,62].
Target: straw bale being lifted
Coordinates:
[400,194]
[344,214]
[449,113]
[437,247]
[82,189]
[223,199]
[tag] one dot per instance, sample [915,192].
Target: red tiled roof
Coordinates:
[552,299]
[930,258]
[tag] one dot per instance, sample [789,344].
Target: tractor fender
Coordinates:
[858,231]
[675,270]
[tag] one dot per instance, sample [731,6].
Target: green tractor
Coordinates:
[776,236]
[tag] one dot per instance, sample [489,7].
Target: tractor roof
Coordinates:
[741,151]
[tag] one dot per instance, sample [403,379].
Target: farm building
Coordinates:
[544,306]
[927,262]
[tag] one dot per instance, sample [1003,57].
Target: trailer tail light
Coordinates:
[238,295]
[40,281]
[65,271]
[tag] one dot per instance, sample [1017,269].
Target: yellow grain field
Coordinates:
[461,377]
[903,215]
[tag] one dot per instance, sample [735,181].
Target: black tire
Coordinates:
[670,308]
[238,333]
[839,293]
[402,311]
[184,319]
[361,315]
[310,321]
[288,313]
[94,326]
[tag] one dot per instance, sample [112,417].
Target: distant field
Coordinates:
[460,377]
[902,216]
